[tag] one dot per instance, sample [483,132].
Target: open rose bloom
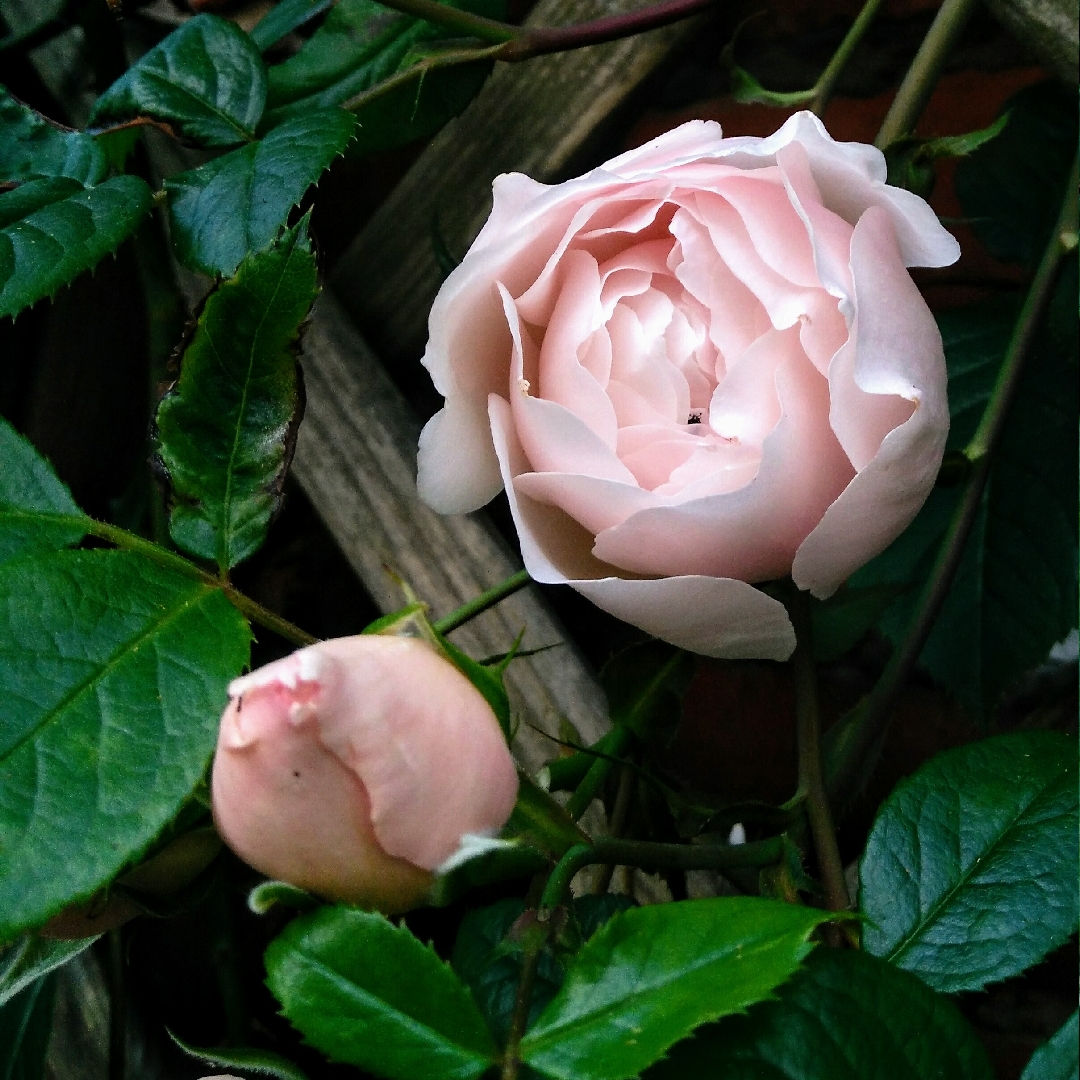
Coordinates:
[700,366]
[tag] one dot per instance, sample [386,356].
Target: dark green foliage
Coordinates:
[1058,1059]
[259,1062]
[226,428]
[846,1016]
[206,80]
[236,203]
[651,975]
[25,1026]
[283,18]
[37,512]
[970,873]
[490,965]
[51,230]
[29,957]
[114,672]
[362,44]
[1014,594]
[368,993]
[1011,187]
[645,685]
[840,622]
[32,146]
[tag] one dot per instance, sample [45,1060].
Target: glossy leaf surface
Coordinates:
[259,1062]
[1014,594]
[25,1026]
[970,872]
[114,671]
[236,203]
[32,146]
[283,18]
[226,428]
[653,974]
[51,230]
[30,956]
[846,1016]
[1058,1059]
[37,512]
[368,993]
[362,45]
[206,80]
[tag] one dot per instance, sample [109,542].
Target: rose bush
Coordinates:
[700,366]
[355,767]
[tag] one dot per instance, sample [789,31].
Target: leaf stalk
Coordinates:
[479,604]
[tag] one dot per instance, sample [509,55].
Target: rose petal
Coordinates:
[752,533]
[897,352]
[595,504]
[687,142]
[554,547]
[713,616]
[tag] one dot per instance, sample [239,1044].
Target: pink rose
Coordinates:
[699,366]
[354,768]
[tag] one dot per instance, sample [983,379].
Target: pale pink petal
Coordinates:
[576,316]
[776,231]
[714,468]
[554,547]
[456,467]
[595,504]
[752,533]
[654,464]
[898,352]
[687,142]
[708,615]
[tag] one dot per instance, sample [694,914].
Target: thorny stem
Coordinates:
[244,604]
[811,780]
[921,77]
[861,735]
[826,84]
[652,856]
[522,43]
[618,740]
[619,813]
[481,603]
[519,1018]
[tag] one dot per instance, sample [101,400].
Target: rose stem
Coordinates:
[519,1018]
[865,727]
[523,43]
[481,603]
[808,738]
[620,812]
[918,84]
[826,84]
[128,541]
[618,740]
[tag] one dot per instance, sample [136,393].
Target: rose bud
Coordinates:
[353,769]
[701,366]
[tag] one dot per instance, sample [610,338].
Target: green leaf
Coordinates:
[367,993]
[114,671]
[54,230]
[1014,594]
[37,512]
[32,146]
[25,1026]
[1059,1059]
[842,621]
[283,18]
[492,970]
[236,204]
[29,957]
[846,1016]
[653,974]
[1011,188]
[645,685]
[746,90]
[259,1062]
[911,161]
[970,872]
[227,426]
[206,80]
[362,45]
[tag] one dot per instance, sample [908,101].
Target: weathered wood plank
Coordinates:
[530,117]
[356,460]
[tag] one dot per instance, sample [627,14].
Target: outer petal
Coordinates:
[897,352]
[688,142]
[423,741]
[712,616]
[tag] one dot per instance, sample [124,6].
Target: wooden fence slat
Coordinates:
[356,461]
[530,117]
